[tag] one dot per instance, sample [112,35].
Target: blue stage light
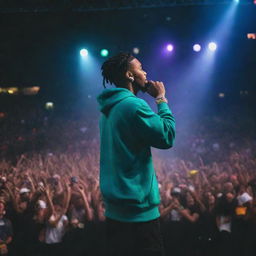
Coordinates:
[84,52]
[212,46]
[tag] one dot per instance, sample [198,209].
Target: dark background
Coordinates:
[41,48]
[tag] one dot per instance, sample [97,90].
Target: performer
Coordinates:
[128,129]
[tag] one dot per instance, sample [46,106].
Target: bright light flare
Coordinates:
[84,52]
[169,47]
[49,105]
[212,46]
[251,35]
[197,47]
[136,50]
[104,52]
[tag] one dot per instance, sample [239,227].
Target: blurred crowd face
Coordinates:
[57,208]
[189,199]
[78,202]
[210,198]
[230,197]
[228,187]
[2,209]
[233,178]
[214,179]
[74,222]
[217,188]
[24,197]
[242,189]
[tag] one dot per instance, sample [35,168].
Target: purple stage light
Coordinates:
[212,46]
[197,47]
[169,47]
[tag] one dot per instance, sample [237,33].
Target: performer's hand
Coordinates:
[156,89]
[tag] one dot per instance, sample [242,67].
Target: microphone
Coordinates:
[147,85]
[145,88]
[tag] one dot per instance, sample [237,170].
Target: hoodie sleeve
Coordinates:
[155,130]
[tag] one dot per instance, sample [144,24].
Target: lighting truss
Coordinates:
[100,5]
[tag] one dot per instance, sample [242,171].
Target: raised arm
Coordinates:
[166,210]
[13,197]
[156,130]
[67,198]
[88,210]
[49,202]
[187,215]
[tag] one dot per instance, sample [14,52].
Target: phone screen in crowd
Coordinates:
[240,210]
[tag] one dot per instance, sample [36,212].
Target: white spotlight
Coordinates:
[197,47]
[49,105]
[212,46]
[136,50]
[84,52]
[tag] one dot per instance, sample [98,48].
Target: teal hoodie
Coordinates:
[128,130]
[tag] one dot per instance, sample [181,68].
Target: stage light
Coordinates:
[12,90]
[236,1]
[221,95]
[251,35]
[169,47]
[49,105]
[136,50]
[212,46]
[197,47]
[104,52]
[31,90]
[84,52]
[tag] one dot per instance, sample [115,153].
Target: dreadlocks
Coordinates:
[114,68]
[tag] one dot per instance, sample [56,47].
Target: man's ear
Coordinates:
[129,76]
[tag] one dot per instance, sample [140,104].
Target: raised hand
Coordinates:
[156,89]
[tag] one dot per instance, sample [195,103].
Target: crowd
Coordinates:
[50,202]
[29,127]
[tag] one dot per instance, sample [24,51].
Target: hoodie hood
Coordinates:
[110,97]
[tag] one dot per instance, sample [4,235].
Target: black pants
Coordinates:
[136,238]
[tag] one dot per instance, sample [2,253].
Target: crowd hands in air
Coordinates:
[50,200]
[43,199]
